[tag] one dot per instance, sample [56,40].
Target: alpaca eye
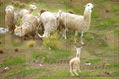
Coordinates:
[88,5]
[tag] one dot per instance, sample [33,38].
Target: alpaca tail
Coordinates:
[40,36]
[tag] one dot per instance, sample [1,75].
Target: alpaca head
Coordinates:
[9,8]
[42,11]
[89,7]
[18,31]
[78,51]
[32,7]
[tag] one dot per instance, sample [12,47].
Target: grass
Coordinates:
[100,78]
[52,56]
[115,74]
[52,41]
[116,31]
[115,8]
[94,60]
[114,65]
[59,75]
[95,15]
[112,20]
[100,50]
[13,61]
[27,72]
[102,26]
[16,43]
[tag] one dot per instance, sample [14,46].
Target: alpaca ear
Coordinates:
[59,14]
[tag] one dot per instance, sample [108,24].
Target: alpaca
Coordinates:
[77,22]
[10,18]
[25,11]
[28,25]
[75,63]
[50,23]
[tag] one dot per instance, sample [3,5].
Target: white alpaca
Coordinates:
[28,25]
[75,63]
[10,18]
[77,22]
[25,11]
[50,22]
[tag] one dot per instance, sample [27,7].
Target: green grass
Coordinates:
[94,60]
[95,15]
[27,72]
[100,78]
[16,43]
[52,56]
[116,31]
[13,61]
[112,20]
[58,75]
[67,4]
[115,8]
[102,26]
[116,73]
[114,65]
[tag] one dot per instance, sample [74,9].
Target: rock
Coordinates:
[0,42]
[1,51]
[16,50]
[87,64]
[106,11]
[6,68]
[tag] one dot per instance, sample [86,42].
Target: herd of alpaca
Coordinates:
[49,22]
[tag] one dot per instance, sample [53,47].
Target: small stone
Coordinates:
[0,42]
[16,50]
[106,11]
[1,51]
[6,68]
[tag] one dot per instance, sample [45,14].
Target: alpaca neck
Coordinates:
[87,15]
[30,11]
[78,55]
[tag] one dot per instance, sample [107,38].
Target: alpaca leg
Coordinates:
[79,69]
[71,71]
[82,38]
[75,39]
[65,33]
[75,71]
[72,74]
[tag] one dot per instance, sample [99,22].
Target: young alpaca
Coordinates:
[75,63]
[77,22]
[10,19]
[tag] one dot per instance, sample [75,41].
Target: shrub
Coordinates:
[52,41]
[18,4]
[30,43]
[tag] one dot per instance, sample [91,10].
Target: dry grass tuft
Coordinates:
[30,43]
[52,41]
[18,4]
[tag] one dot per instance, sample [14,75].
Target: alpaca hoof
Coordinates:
[77,75]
